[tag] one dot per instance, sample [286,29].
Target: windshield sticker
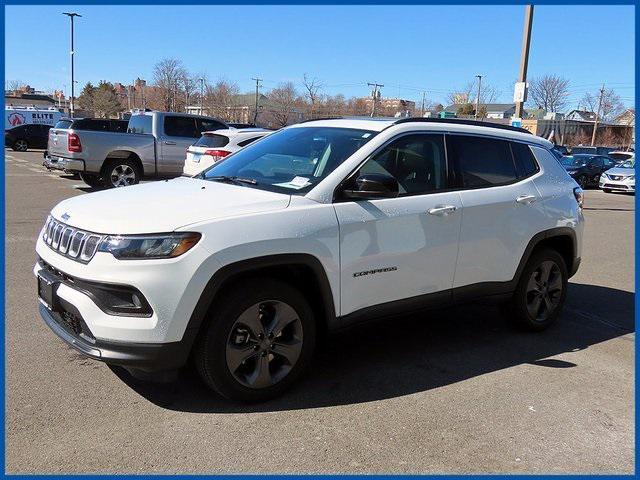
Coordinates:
[296,182]
[366,135]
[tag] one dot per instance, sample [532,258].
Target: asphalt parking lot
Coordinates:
[455,391]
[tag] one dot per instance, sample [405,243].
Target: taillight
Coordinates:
[73,143]
[579,194]
[217,154]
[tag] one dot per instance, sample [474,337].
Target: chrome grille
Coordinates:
[71,242]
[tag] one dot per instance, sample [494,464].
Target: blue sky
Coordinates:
[407,48]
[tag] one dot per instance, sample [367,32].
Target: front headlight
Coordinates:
[631,177]
[137,247]
[604,176]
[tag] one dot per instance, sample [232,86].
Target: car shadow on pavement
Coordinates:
[406,355]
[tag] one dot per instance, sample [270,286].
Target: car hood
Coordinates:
[164,206]
[620,171]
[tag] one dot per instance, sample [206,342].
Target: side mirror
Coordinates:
[374,185]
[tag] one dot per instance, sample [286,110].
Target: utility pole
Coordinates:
[202,95]
[71,15]
[375,94]
[524,57]
[595,124]
[423,98]
[479,77]
[255,113]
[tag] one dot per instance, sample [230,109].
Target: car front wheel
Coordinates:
[541,291]
[258,340]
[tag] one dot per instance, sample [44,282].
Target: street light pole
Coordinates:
[479,77]
[201,95]
[71,15]
[524,57]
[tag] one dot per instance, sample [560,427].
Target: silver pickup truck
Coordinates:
[154,146]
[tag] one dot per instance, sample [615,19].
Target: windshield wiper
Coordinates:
[225,178]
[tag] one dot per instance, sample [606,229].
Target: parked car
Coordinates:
[621,157]
[27,136]
[586,169]
[561,150]
[621,178]
[153,146]
[91,124]
[214,146]
[315,227]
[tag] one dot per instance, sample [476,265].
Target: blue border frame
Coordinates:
[297,2]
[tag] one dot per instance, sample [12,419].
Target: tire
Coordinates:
[120,173]
[231,358]
[523,302]
[582,181]
[20,145]
[91,179]
[606,190]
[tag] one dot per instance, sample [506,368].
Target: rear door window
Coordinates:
[482,162]
[178,126]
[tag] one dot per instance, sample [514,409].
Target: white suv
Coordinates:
[314,227]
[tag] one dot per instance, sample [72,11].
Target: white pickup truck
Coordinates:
[154,146]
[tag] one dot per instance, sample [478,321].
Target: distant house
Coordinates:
[628,117]
[581,116]
[493,110]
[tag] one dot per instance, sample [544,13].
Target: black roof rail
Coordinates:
[462,121]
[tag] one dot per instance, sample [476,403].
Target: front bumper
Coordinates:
[138,357]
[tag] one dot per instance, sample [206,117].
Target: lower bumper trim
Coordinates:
[146,357]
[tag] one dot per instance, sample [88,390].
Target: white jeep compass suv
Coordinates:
[315,227]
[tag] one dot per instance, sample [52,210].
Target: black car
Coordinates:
[23,137]
[586,169]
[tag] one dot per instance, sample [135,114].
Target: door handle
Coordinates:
[442,210]
[526,199]
[167,142]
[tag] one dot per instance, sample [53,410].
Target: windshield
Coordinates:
[629,164]
[292,160]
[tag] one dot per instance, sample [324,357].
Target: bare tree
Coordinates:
[190,87]
[468,93]
[549,92]
[167,76]
[611,103]
[312,87]
[284,99]
[14,85]
[219,97]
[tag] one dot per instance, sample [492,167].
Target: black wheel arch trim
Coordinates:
[227,273]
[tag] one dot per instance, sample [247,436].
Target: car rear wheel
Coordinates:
[258,340]
[120,173]
[20,145]
[541,291]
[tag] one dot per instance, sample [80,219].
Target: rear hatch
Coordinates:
[209,149]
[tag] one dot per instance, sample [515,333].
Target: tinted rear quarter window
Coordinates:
[140,124]
[212,140]
[482,162]
[525,162]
